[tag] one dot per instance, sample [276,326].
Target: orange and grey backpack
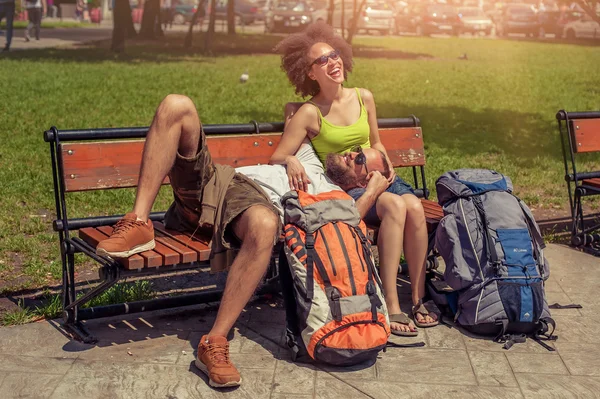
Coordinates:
[335,309]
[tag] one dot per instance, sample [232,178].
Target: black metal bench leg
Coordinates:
[577,227]
[75,328]
[71,263]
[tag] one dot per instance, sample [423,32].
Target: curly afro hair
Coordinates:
[294,55]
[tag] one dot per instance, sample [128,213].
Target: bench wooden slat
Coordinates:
[592,182]
[116,164]
[169,256]
[195,243]
[151,258]
[186,255]
[432,208]
[586,135]
[433,213]
[92,236]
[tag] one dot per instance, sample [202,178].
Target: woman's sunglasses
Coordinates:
[361,158]
[324,59]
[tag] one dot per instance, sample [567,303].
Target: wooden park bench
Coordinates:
[580,135]
[105,159]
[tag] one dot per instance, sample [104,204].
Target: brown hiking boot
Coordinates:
[129,237]
[213,360]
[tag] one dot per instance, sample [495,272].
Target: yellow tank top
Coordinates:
[341,139]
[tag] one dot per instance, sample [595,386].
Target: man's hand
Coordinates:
[376,183]
[392,171]
[297,176]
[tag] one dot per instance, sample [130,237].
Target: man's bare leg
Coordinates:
[257,228]
[391,210]
[415,250]
[175,127]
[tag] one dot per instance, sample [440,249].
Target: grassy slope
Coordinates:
[495,110]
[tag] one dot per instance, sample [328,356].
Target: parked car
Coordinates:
[428,18]
[518,18]
[474,20]
[182,11]
[246,11]
[377,16]
[583,28]
[292,15]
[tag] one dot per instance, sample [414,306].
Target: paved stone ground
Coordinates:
[151,356]
[68,37]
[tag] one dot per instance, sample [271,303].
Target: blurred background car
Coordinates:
[518,18]
[182,11]
[582,28]
[246,11]
[378,16]
[557,26]
[425,19]
[474,20]
[292,16]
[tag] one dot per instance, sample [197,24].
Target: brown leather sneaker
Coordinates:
[130,236]
[213,360]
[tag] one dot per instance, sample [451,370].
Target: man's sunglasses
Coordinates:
[324,59]
[361,158]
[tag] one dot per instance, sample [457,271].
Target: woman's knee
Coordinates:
[415,213]
[391,205]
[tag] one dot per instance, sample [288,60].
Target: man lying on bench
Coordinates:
[237,211]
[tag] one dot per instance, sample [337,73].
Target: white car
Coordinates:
[584,28]
[377,15]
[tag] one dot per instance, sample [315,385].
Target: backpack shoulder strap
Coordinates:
[489,242]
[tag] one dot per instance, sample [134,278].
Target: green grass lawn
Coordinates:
[496,110]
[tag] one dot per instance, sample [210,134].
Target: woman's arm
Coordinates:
[374,138]
[295,132]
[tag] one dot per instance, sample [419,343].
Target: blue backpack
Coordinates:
[493,251]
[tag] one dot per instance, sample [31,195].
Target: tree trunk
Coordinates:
[355,16]
[330,13]
[122,25]
[211,26]
[231,17]
[128,18]
[343,20]
[151,27]
[200,13]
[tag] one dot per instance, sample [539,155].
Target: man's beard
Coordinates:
[339,172]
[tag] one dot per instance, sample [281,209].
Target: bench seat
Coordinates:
[175,247]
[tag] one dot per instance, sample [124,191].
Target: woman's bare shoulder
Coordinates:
[307,113]
[366,95]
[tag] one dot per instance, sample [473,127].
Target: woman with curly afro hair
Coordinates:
[341,124]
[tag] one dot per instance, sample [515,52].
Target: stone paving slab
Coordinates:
[151,355]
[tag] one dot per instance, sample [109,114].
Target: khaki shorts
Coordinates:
[188,178]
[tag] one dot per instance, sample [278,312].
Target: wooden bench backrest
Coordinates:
[116,164]
[585,135]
